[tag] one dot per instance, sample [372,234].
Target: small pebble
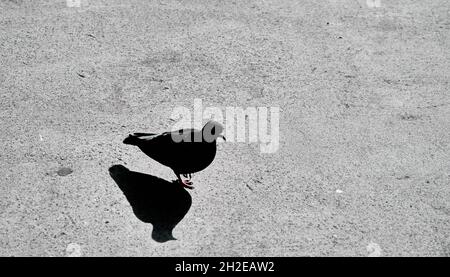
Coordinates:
[374,250]
[73,250]
[64,171]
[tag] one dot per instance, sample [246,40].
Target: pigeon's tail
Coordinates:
[136,138]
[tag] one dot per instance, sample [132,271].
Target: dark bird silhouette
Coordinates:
[185,151]
[154,200]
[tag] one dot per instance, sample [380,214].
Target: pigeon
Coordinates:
[185,151]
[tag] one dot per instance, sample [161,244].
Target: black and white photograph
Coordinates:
[225,128]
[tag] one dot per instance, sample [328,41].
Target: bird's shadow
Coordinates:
[154,200]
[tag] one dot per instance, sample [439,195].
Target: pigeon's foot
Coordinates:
[185,181]
[187,184]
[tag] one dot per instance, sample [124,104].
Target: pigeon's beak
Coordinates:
[223,137]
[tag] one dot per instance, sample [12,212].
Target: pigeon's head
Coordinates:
[212,130]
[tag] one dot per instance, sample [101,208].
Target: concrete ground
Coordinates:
[363,167]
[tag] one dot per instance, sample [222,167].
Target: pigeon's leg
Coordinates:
[187,183]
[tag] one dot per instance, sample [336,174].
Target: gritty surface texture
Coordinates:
[363,166]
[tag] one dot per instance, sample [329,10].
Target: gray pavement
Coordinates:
[363,167]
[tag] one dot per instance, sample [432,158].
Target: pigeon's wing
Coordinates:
[144,138]
[163,139]
[166,136]
[144,134]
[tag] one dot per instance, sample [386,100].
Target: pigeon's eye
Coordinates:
[213,130]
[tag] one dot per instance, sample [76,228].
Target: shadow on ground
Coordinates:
[154,200]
